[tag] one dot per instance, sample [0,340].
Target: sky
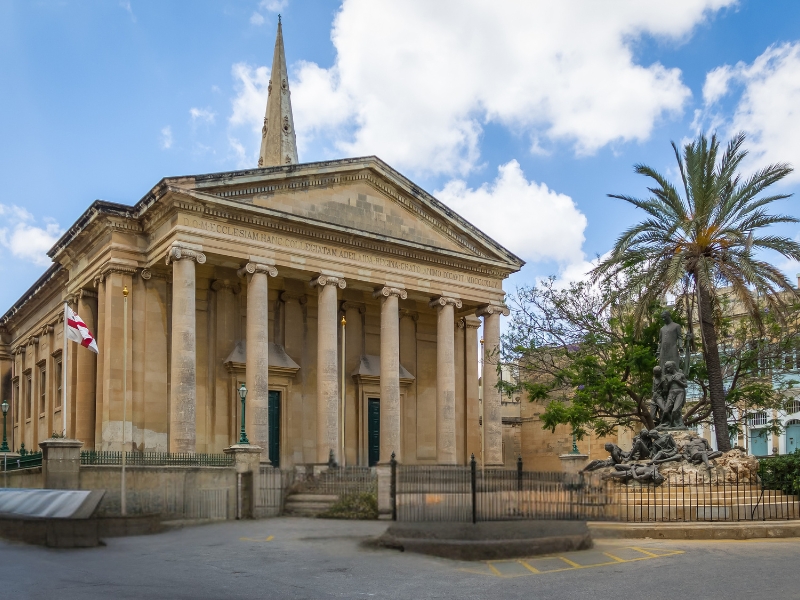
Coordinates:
[521,116]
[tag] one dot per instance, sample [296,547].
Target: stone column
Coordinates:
[391,441]
[183,371]
[492,418]
[257,344]
[445,380]
[86,375]
[472,410]
[327,367]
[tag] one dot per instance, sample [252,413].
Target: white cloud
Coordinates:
[166,137]
[415,82]
[766,107]
[273,5]
[23,238]
[251,96]
[257,19]
[126,6]
[202,114]
[526,217]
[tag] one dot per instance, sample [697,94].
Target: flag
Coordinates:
[77,330]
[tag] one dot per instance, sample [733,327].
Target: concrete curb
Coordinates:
[487,540]
[696,531]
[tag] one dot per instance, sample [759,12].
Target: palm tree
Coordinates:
[709,235]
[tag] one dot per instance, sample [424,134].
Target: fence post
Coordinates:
[519,473]
[473,482]
[393,487]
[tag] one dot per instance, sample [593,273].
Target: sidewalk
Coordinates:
[696,530]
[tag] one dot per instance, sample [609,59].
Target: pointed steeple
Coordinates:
[278,142]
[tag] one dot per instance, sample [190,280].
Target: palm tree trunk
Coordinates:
[716,391]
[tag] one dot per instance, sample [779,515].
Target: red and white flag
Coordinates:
[77,330]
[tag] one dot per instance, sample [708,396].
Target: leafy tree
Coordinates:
[708,232]
[582,354]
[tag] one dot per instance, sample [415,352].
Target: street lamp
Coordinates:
[242,434]
[4,447]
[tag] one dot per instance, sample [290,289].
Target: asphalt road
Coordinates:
[307,558]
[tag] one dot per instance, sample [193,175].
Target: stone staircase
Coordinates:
[318,493]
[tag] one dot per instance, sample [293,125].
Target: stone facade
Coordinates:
[244,277]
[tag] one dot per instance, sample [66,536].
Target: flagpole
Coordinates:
[123,491]
[64,407]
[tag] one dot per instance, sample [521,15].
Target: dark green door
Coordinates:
[374,430]
[274,409]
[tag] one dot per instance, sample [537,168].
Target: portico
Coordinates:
[244,277]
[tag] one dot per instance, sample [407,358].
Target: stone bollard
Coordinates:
[61,463]
[247,463]
[572,463]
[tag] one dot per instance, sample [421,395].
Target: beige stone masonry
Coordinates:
[257,272]
[183,392]
[492,418]
[327,366]
[445,379]
[390,436]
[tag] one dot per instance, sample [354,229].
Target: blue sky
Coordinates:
[520,115]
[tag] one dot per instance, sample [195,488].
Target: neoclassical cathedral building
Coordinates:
[349,302]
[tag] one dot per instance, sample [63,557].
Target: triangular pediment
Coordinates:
[361,196]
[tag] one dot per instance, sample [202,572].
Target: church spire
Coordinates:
[278,142]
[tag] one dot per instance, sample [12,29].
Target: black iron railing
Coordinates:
[340,481]
[28,460]
[156,459]
[705,495]
[466,493]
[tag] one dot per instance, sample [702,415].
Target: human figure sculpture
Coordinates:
[698,450]
[664,448]
[675,384]
[617,456]
[670,342]
[658,399]
[638,472]
[641,446]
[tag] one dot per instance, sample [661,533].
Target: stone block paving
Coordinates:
[570,561]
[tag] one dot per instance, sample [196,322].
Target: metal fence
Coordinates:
[339,481]
[715,495]
[156,459]
[28,460]
[271,487]
[466,493]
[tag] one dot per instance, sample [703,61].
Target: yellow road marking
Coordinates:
[247,539]
[617,558]
[530,568]
[573,566]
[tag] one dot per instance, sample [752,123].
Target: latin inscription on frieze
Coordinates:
[365,258]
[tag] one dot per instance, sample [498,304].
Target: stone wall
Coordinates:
[173,492]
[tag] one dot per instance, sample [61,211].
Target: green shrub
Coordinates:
[363,505]
[781,472]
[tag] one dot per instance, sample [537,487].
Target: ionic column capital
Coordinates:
[468,323]
[386,291]
[444,301]
[323,280]
[251,268]
[493,309]
[225,284]
[178,252]
[289,296]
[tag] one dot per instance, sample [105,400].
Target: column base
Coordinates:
[573,463]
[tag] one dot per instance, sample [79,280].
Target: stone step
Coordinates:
[308,505]
[309,497]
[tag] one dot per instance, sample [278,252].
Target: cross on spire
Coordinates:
[278,140]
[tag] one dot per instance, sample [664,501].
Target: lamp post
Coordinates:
[242,434]
[4,447]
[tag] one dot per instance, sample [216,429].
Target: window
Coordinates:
[42,390]
[793,406]
[59,383]
[15,399]
[758,419]
[28,396]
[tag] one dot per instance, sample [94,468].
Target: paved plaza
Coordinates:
[312,558]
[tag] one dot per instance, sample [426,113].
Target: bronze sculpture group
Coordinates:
[656,446]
